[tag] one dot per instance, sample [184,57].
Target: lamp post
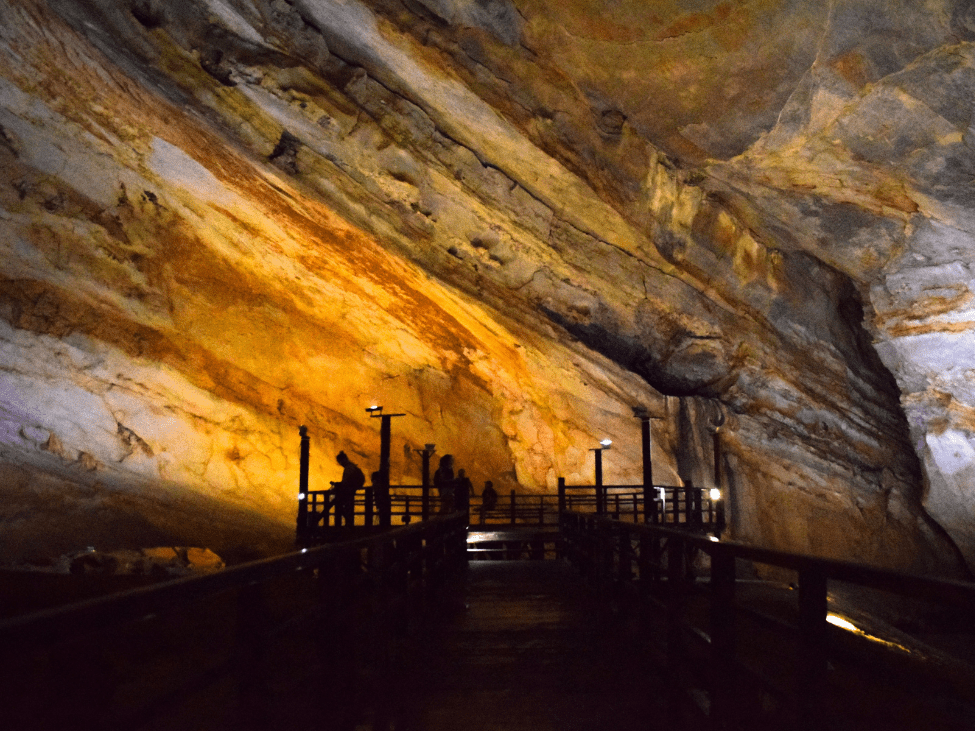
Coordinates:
[302,531]
[716,495]
[649,494]
[600,493]
[385,438]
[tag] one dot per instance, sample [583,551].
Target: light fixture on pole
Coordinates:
[604,444]
[385,438]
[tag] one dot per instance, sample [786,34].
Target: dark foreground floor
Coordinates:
[521,646]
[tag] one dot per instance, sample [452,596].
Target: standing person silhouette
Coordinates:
[463,489]
[443,481]
[344,491]
[489,499]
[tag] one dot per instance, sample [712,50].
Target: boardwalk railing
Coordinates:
[750,667]
[317,521]
[679,507]
[683,507]
[279,643]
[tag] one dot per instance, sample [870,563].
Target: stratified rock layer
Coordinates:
[223,220]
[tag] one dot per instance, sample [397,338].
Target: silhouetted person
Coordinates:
[489,499]
[443,482]
[463,489]
[344,491]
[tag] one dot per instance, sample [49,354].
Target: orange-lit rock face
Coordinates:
[223,220]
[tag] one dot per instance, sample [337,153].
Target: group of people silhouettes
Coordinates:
[454,491]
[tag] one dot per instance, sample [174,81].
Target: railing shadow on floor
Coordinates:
[278,643]
[742,657]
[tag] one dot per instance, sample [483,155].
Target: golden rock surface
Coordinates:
[220,221]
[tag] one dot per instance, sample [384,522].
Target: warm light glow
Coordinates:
[373,409]
[714,538]
[301,496]
[715,493]
[842,623]
[605,443]
[838,621]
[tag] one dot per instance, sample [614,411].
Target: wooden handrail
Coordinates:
[617,552]
[98,636]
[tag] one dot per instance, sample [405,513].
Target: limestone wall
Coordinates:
[221,220]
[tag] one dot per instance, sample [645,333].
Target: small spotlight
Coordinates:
[373,409]
[301,496]
[605,443]
[715,493]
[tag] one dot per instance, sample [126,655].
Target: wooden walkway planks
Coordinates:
[522,646]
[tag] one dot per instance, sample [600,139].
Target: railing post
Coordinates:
[725,701]
[562,495]
[367,511]
[252,687]
[649,504]
[676,575]
[381,485]
[302,527]
[513,513]
[600,494]
[624,566]
[426,454]
[812,658]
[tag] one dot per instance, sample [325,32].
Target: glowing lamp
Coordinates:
[715,493]
[605,443]
[301,496]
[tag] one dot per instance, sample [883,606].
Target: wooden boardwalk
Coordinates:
[520,646]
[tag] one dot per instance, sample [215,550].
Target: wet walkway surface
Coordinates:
[523,645]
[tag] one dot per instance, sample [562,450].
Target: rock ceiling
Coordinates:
[513,223]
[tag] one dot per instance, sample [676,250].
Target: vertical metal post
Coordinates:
[720,519]
[812,658]
[367,511]
[600,497]
[382,489]
[302,528]
[561,495]
[426,454]
[676,574]
[725,701]
[716,444]
[649,503]
[513,513]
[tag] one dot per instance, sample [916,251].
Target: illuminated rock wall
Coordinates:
[223,220]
